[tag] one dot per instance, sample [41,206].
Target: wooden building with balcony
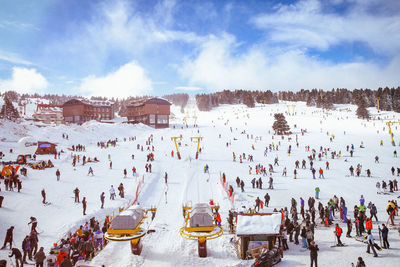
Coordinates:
[150,111]
[82,110]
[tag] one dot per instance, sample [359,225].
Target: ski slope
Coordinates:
[236,125]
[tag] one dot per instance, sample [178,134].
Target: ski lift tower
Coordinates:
[176,145]
[377,104]
[390,130]
[198,144]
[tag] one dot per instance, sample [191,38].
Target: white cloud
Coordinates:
[128,80]
[307,24]
[220,66]
[24,80]
[13,58]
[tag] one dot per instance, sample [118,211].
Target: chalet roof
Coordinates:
[82,101]
[154,100]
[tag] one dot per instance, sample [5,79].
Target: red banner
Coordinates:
[141,182]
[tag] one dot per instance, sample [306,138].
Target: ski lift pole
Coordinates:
[294,106]
[198,145]
[377,103]
[390,132]
[176,145]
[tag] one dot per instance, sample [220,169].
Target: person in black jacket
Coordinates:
[84,203]
[313,253]
[18,256]
[9,237]
[384,232]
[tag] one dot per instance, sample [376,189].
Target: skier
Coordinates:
[26,246]
[267,199]
[378,187]
[349,227]
[166,177]
[295,173]
[253,181]
[9,237]
[373,212]
[371,244]
[102,198]
[133,171]
[313,172]
[376,159]
[351,169]
[284,172]
[40,257]
[271,186]
[90,171]
[238,181]
[34,223]
[125,173]
[58,174]
[112,193]
[338,233]
[84,205]
[76,192]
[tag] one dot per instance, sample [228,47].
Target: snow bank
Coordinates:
[258,224]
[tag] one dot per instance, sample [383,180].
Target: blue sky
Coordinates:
[126,48]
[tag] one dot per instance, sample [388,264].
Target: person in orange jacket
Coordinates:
[368,224]
[338,233]
[218,218]
[60,257]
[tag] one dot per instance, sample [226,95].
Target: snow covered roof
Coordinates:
[154,100]
[98,103]
[257,224]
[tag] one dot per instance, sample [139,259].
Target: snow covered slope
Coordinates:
[187,181]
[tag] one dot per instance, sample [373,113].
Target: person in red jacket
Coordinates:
[368,224]
[338,233]
[321,173]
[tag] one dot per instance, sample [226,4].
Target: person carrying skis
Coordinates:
[102,197]
[34,223]
[338,233]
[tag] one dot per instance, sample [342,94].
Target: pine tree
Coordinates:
[248,100]
[362,111]
[8,111]
[280,125]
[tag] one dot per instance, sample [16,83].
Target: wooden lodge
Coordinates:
[150,111]
[82,110]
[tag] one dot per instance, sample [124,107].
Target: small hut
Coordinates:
[201,216]
[256,230]
[45,147]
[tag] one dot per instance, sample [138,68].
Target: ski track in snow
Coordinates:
[188,182]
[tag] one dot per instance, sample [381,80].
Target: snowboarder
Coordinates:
[102,198]
[84,205]
[76,192]
[58,174]
[9,237]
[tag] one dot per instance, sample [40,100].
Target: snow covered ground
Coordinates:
[187,182]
